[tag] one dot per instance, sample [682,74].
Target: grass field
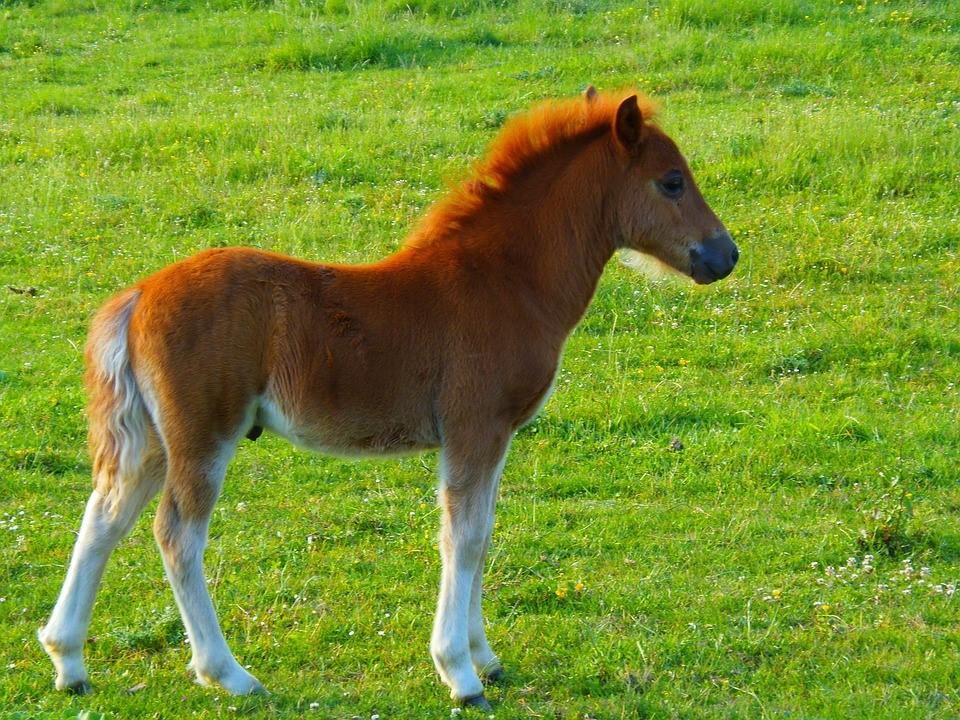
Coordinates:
[797,558]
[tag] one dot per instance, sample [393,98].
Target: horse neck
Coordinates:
[544,242]
[568,236]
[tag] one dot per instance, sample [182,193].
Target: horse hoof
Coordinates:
[477,701]
[80,687]
[495,676]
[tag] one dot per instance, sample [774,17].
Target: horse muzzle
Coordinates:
[714,258]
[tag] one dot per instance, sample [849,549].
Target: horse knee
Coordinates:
[180,539]
[450,657]
[184,510]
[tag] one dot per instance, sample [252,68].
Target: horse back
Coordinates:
[347,359]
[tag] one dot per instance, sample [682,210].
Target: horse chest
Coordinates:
[530,400]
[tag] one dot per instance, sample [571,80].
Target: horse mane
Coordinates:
[521,144]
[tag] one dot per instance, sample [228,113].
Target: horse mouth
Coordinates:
[705,273]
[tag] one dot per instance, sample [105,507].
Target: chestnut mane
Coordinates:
[524,141]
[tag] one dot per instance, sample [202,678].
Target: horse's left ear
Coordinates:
[628,125]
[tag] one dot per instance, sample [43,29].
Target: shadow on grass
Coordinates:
[373,49]
[49,463]
[646,426]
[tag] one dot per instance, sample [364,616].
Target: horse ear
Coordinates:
[590,94]
[628,126]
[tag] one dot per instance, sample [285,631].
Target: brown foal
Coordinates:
[452,342]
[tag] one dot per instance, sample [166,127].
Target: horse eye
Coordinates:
[672,184]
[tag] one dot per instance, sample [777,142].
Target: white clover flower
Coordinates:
[924,571]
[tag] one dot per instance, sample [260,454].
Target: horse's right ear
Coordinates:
[628,125]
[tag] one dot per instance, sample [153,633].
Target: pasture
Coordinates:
[742,500]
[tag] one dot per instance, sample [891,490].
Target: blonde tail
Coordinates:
[119,421]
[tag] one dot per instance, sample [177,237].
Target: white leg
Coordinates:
[106,520]
[181,531]
[467,489]
[485,662]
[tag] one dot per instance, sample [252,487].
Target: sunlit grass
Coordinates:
[685,531]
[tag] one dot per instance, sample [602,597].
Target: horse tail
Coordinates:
[118,417]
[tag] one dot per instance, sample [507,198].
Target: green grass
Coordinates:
[814,392]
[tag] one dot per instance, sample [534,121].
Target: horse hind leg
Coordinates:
[111,512]
[181,526]
[129,465]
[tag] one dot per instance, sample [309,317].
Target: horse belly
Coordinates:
[348,436]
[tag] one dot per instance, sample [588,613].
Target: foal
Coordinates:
[452,343]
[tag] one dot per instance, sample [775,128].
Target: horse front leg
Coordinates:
[469,477]
[485,661]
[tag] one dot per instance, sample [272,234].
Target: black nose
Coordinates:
[714,258]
